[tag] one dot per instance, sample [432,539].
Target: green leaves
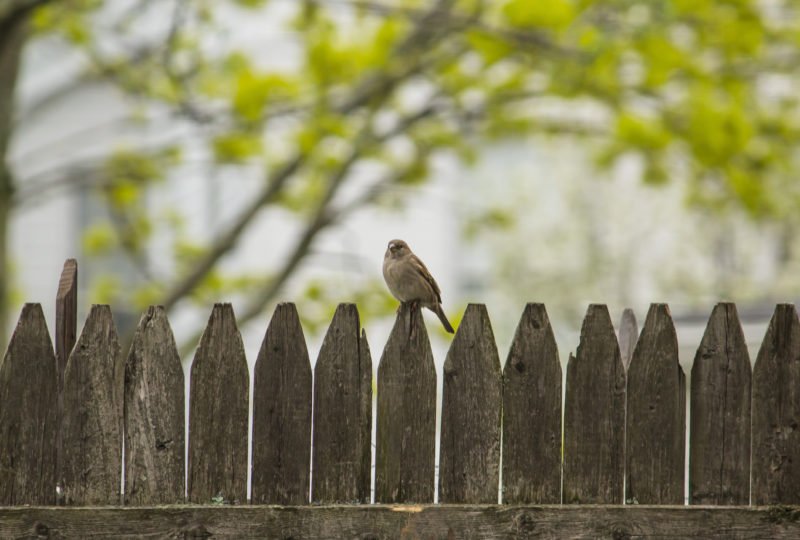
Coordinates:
[251,4]
[337,55]
[99,239]
[128,172]
[717,126]
[68,18]
[551,15]
[236,147]
[634,131]
[253,92]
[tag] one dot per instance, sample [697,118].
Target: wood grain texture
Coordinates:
[92,424]
[469,455]
[66,333]
[154,414]
[719,437]
[28,413]
[594,415]
[776,412]
[656,414]
[282,413]
[628,335]
[218,413]
[532,413]
[406,430]
[342,436]
[465,522]
[66,316]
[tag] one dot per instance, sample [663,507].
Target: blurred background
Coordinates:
[259,151]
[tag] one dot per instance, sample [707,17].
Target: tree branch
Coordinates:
[323,217]
[516,36]
[261,299]
[227,241]
[373,86]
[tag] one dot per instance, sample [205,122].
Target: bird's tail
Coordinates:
[442,317]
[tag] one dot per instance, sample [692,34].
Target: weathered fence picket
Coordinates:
[594,415]
[469,450]
[28,413]
[628,335]
[66,334]
[406,424]
[342,442]
[154,414]
[218,413]
[92,422]
[66,316]
[282,413]
[776,412]
[532,413]
[619,423]
[656,414]
[719,435]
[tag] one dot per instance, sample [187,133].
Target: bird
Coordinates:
[410,281]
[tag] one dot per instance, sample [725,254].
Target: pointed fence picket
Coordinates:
[66,316]
[66,334]
[776,412]
[28,429]
[92,423]
[623,430]
[218,413]
[469,459]
[719,455]
[342,442]
[532,413]
[405,453]
[594,415]
[154,413]
[282,413]
[655,414]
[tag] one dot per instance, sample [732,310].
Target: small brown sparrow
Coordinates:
[409,280]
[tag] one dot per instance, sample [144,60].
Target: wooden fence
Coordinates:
[622,439]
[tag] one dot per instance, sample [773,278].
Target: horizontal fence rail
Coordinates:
[440,521]
[64,425]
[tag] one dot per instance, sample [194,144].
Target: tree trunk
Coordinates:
[12,38]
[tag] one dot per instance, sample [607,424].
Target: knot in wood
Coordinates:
[40,529]
[524,522]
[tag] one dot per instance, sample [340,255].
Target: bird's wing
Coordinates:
[420,267]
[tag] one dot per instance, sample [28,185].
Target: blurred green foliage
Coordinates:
[695,88]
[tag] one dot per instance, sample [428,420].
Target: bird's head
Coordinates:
[396,249]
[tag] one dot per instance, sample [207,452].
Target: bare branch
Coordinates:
[515,36]
[261,299]
[324,217]
[136,256]
[227,241]
[373,87]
